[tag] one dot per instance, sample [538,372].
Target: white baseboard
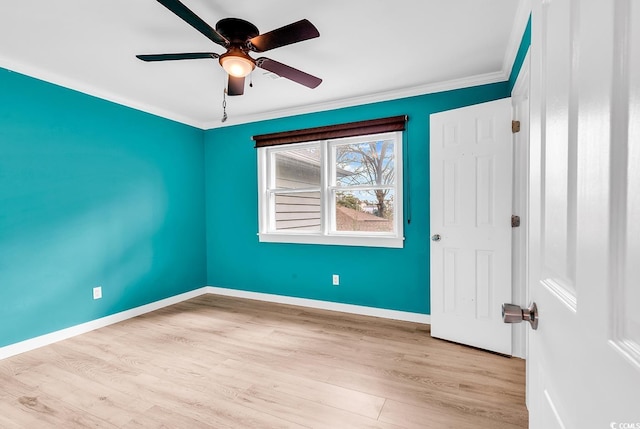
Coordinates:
[324,305]
[63,334]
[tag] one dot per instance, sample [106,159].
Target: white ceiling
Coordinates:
[368,50]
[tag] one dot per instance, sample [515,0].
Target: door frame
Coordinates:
[520,238]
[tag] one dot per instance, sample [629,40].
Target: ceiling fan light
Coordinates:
[236,65]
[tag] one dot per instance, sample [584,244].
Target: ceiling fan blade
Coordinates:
[235,85]
[171,57]
[292,33]
[289,72]
[194,20]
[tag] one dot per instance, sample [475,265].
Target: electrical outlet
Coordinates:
[336,280]
[97,292]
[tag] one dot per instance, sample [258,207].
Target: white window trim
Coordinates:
[326,237]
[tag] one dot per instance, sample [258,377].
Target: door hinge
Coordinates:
[515,127]
[515,221]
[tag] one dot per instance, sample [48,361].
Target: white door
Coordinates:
[471,182]
[584,359]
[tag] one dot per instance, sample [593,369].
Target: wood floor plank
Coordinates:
[32,407]
[305,412]
[222,362]
[455,401]
[281,380]
[430,417]
[93,397]
[157,417]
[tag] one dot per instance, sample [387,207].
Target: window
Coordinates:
[344,191]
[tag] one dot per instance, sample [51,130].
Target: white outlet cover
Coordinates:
[97,292]
[336,279]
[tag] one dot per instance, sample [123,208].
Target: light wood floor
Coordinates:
[218,362]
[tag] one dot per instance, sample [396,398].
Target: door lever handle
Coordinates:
[512,313]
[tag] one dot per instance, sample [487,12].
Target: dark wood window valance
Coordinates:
[374,126]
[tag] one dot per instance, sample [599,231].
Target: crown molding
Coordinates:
[430,88]
[91,90]
[519,25]
[94,91]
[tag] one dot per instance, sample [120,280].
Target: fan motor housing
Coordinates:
[236,30]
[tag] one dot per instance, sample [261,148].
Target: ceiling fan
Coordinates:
[239,37]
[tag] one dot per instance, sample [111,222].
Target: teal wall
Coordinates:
[396,279]
[92,193]
[525,42]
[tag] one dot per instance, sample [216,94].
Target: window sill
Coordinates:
[337,240]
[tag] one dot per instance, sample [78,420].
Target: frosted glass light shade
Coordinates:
[237,66]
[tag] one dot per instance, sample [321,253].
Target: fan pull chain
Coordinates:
[224,105]
[251,80]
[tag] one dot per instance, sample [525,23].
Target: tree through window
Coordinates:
[372,176]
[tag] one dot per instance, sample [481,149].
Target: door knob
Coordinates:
[512,313]
[435,237]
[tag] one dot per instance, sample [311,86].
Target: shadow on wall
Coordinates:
[58,260]
[92,193]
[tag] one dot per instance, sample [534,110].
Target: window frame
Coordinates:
[328,234]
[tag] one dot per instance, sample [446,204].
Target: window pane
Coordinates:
[299,211]
[365,210]
[370,163]
[298,168]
